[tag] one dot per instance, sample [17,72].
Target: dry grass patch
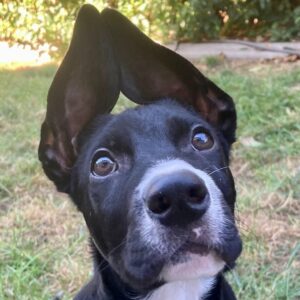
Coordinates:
[55,230]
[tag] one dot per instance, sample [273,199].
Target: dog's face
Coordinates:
[153,183]
[154,186]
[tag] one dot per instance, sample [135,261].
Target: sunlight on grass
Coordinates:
[17,55]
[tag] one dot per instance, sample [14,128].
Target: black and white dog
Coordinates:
[153,182]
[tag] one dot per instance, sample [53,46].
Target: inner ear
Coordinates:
[218,108]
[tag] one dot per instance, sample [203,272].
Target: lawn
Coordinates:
[43,241]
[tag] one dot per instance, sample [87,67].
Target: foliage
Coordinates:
[35,23]
[50,21]
[270,19]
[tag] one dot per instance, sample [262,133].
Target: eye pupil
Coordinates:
[103,166]
[103,163]
[202,140]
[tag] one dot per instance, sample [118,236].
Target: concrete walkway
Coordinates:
[232,50]
[193,52]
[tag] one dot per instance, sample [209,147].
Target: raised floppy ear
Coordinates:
[108,54]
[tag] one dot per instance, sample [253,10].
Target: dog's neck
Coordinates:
[110,286]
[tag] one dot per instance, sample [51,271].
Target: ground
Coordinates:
[43,241]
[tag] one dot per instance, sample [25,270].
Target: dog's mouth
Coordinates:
[191,261]
[196,248]
[228,250]
[191,247]
[144,267]
[196,259]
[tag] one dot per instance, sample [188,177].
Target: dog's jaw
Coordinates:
[205,287]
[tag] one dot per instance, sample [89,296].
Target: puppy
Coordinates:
[153,182]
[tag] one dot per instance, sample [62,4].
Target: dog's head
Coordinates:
[153,182]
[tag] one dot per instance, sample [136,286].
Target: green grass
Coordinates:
[43,240]
[214,61]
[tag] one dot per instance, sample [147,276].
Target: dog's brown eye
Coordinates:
[202,140]
[103,166]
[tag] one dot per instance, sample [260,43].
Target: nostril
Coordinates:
[159,203]
[196,194]
[178,198]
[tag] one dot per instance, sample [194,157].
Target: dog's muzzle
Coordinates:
[181,208]
[180,227]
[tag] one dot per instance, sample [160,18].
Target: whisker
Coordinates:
[100,268]
[214,171]
[117,247]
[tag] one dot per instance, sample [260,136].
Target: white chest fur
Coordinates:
[183,290]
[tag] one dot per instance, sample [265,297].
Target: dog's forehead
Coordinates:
[165,115]
[156,117]
[159,124]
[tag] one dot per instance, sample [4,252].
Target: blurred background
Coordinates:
[251,49]
[46,25]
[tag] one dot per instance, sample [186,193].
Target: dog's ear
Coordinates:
[85,85]
[108,54]
[149,71]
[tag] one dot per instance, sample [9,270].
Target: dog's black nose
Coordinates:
[177,199]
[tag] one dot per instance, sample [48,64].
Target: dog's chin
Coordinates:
[141,271]
[192,265]
[187,263]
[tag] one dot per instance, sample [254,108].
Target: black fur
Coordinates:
[138,147]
